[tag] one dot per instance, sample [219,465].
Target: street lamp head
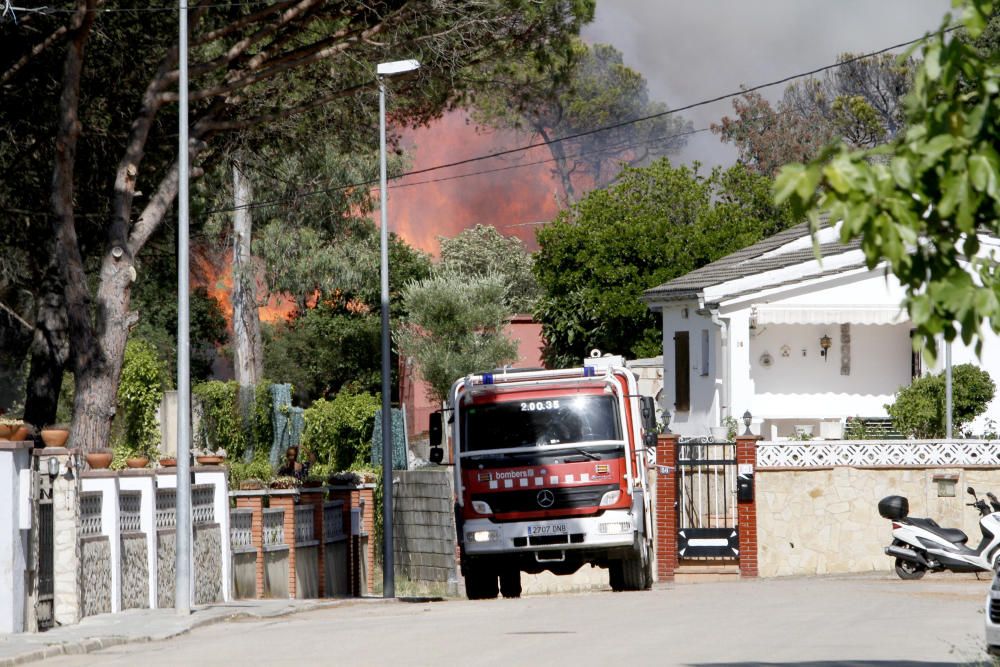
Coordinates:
[396,67]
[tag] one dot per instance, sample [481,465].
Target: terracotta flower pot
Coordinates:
[21,434]
[137,461]
[98,459]
[251,485]
[7,430]
[168,462]
[55,437]
[209,460]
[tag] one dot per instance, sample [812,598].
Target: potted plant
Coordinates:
[98,459]
[55,435]
[208,457]
[9,427]
[285,482]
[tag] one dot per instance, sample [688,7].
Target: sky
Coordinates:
[691,51]
[688,52]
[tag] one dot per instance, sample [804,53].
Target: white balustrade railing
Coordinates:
[166,508]
[91,504]
[274,527]
[877,454]
[129,511]
[241,528]
[304,529]
[203,503]
[333,520]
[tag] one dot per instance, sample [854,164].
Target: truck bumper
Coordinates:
[614,528]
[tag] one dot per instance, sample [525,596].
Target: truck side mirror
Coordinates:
[434,428]
[649,439]
[647,408]
[437,455]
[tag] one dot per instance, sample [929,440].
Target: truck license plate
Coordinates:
[551,529]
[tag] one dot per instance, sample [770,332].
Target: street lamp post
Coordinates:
[384,70]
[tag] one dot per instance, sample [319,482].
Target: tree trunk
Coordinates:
[562,167]
[247,346]
[49,352]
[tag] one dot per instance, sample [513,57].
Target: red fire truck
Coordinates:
[550,474]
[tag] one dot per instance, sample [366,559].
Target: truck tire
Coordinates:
[510,583]
[631,574]
[481,584]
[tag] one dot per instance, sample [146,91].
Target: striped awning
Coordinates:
[771,313]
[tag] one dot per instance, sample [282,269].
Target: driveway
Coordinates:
[861,620]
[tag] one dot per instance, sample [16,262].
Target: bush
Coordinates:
[919,410]
[220,426]
[340,431]
[259,468]
[140,392]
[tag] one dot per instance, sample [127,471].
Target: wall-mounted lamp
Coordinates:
[824,344]
[747,420]
[53,466]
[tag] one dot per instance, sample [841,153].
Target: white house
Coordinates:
[793,340]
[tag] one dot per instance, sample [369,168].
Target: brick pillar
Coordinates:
[315,498]
[666,506]
[287,503]
[256,504]
[746,455]
[367,494]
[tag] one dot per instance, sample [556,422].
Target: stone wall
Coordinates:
[207,564]
[424,525]
[826,520]
[166,554]
[135,571]
[96,575]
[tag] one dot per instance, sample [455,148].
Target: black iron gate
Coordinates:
[46,555]
[707,525]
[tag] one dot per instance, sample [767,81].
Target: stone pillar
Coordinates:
[666,506]
[746,463]
[66,568]
[314,497]
[287,500]
[256,504]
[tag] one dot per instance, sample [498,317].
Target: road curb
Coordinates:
[92,644]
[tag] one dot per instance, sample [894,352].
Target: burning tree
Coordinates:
[100,82]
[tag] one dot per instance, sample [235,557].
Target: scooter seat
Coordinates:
[953,535]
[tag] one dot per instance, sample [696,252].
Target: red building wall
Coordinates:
[413,390]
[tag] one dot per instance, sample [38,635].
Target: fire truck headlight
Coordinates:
[611,497]
[481,536]
[481,507]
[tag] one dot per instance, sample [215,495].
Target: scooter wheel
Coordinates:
[907,569]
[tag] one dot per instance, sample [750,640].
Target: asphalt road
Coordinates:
[873,621]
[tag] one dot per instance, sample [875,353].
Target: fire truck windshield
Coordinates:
[552,420]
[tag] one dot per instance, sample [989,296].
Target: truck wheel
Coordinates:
[481,584]
[510,583]
[616,575]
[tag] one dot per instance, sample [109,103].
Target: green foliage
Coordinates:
[220,425]
[732,427]
[856,429]
[140,391]
[257,468]
[340,430]
[482,250]
[455,327]
[920,204]
[324,349]
[919,410]
[654,224]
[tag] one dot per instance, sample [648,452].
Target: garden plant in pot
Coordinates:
[9,427]
[140,391]
[55,435]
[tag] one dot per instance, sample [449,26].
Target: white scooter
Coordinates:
[919,545]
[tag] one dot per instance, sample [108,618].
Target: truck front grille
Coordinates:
[504,502]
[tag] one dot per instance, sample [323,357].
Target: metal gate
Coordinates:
[46,555]
[707,516]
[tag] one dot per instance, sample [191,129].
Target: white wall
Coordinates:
[804,384]
[704,379]
[13,539]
